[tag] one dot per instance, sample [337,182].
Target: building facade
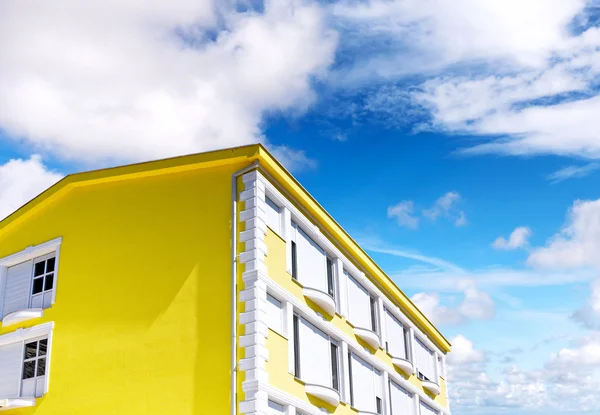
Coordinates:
[205,284]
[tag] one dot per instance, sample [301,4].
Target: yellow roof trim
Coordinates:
[127,172]
[230,156]
[295,189]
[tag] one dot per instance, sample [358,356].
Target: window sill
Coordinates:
[368,336]
[15,403]
[21,315]
[432,387]
[324,393]
[320,298]
[403,364]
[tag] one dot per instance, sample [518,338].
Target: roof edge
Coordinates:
[295,189]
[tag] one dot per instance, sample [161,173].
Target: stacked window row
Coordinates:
[314,268]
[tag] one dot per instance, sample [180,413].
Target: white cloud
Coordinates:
[293,160]
[403,213]
[180,77]
[463,351]
[518,238]
[476,305]
[573,172]
[577,244]
[21,180]
[585,356]
[589,314]
[445,206]
[429,35]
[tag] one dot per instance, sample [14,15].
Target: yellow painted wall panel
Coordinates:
[143,305]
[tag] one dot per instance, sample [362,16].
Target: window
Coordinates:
[310,263]
[24,363]
[366,389]
[316,355]
[28,283]
[359,304]
[425,361]
[273,216]
[330,278]
[43,282]
[374,325]
[335,375]
[274,314]
[401,401]
[275,408]
[427,410]
[395,344]
[294,261]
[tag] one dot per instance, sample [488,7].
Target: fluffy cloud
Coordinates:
[446,206]
[584,357]
[589,314]
[112,80]
[21,180]
[517,239]
[403,213]
[476,305]
[577,244]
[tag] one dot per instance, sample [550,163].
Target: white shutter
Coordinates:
[10,369]
[363,385]
[273,216]
[427,410]
[274,314]
[401,400]
[18,286]
[395,336]
[359,304]
[312,262]
[315,355]
[425,360]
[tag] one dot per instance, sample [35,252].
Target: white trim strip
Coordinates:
[31,252]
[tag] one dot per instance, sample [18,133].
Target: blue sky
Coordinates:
[457,142]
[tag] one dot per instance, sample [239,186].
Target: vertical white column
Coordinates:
[381,323]
[3,272]
[438,373]
[287,235]
[411,347]
[342,290]
[387,405]
[417,403]
[345,374]
[290,410]
[289,327]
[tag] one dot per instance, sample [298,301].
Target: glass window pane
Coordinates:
[39,268]
[29,369]
[43,347]
[38,285]
[30,350]
[41,367]
[50,264]
[49,282]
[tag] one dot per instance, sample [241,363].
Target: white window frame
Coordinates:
[23,336]
[30,253]
[271,203]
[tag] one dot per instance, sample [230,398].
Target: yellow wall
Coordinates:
[277,345]
[143,306]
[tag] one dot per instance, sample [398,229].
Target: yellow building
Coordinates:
[205,284]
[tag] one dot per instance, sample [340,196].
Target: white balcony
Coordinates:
[21,315]
[368,336]
[432,387]
[324,393]
[403,364]
[323,300]
[15,403]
